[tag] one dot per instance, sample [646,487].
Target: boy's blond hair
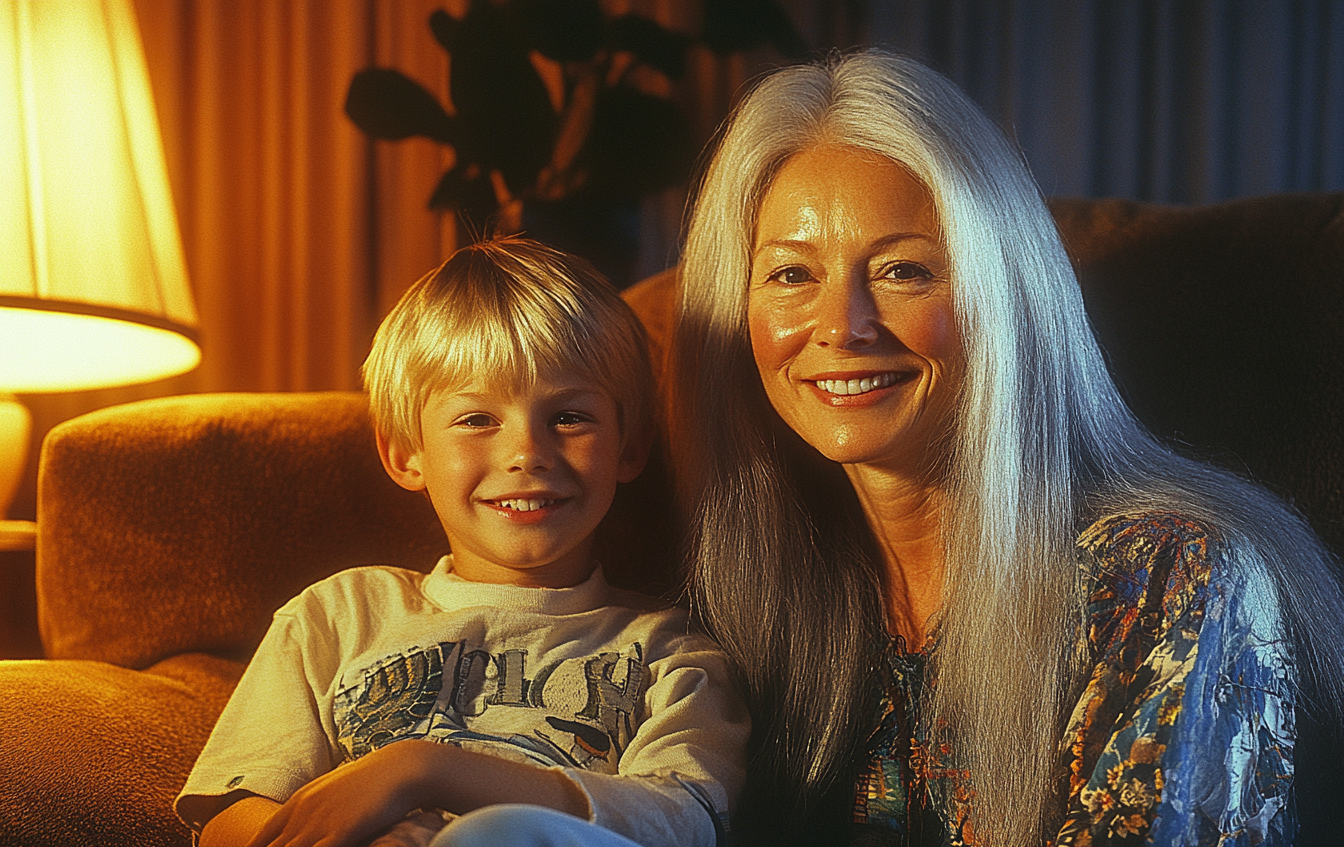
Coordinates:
[508,311]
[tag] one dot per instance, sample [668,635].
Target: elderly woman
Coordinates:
[973,600]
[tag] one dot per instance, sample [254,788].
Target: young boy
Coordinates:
[512,385]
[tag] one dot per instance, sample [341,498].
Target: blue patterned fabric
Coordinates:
[1183,734]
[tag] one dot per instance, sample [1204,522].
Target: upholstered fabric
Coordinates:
[1224,325]
[178,525]
[92,753]
[170,530]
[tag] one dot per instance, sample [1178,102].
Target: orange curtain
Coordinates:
[300,233]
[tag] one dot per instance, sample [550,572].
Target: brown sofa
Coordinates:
[169,530]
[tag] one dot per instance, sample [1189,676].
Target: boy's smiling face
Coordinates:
[519,479]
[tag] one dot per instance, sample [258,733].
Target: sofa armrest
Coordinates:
[178,525]
[92,753]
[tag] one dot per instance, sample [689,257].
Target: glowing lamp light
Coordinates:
[45,349]
[93,282]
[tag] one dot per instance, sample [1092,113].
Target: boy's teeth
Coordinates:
[524,505]
[856,386]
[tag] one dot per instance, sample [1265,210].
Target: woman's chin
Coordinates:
[896,450]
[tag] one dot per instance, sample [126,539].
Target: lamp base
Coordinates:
[16,426]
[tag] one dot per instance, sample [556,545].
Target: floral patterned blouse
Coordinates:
[1183,735]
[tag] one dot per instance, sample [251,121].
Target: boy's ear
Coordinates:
[634,455]
[401,464]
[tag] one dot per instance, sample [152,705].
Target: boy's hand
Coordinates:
[417,830]
[369,796]
[352,804]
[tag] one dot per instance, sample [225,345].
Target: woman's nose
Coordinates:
[847,314]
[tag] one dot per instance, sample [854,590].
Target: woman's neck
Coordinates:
[905,516]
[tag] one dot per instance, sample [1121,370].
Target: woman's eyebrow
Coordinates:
[804,246]
[898,237]
[797,245]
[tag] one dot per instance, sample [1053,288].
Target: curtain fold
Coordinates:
[276,189]
[300,233]
[1181,102]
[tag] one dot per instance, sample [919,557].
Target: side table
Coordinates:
[19,637]
[18,535]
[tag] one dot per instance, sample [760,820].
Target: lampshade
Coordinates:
[93,283]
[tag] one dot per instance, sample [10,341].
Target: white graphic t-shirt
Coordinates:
[610,686]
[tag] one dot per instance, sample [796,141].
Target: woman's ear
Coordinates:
[634,455]
[401,464]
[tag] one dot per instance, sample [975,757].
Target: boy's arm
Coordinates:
[358,801]
[681,775]
[270,738]
[239,822]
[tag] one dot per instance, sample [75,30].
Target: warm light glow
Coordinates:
[86,215]
[42,349]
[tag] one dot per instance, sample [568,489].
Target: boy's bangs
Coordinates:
[507,351]
[502,315]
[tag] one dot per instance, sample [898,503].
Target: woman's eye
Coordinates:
[792,275]
[907,272]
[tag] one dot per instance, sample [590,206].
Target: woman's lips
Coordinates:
[861,385]
[846,390]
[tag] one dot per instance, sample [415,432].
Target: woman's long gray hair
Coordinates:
[784,570]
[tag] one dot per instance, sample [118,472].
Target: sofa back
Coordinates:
[1224,327]
[179,525]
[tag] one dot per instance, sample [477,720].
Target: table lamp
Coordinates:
[93,282]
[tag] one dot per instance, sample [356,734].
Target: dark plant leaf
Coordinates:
[445,29]
[504,113]
[652,44]
[603,230]
[732,26]
[471,197]
[387,104]
[638,144]
[564,30]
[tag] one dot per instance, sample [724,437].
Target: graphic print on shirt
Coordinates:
[577,712]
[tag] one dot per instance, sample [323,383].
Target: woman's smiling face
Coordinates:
[850,309]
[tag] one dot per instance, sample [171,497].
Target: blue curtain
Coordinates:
[1182,101]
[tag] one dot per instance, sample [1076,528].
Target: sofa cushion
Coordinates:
[92,753]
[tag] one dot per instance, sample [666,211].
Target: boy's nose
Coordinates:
[529,452]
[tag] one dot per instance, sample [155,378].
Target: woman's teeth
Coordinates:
[856,386]
[525,505]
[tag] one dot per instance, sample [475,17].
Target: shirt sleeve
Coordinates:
[271,738]
[1184,735]
[685,766]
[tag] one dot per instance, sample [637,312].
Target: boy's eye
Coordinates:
[479,420]
[568,419]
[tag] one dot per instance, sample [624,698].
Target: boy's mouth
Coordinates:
[526,510]
[521,504]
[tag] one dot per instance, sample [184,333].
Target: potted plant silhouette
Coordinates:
[551,128]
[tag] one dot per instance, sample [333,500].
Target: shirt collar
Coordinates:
[450,591]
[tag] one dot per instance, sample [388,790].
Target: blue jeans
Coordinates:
[518,825]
